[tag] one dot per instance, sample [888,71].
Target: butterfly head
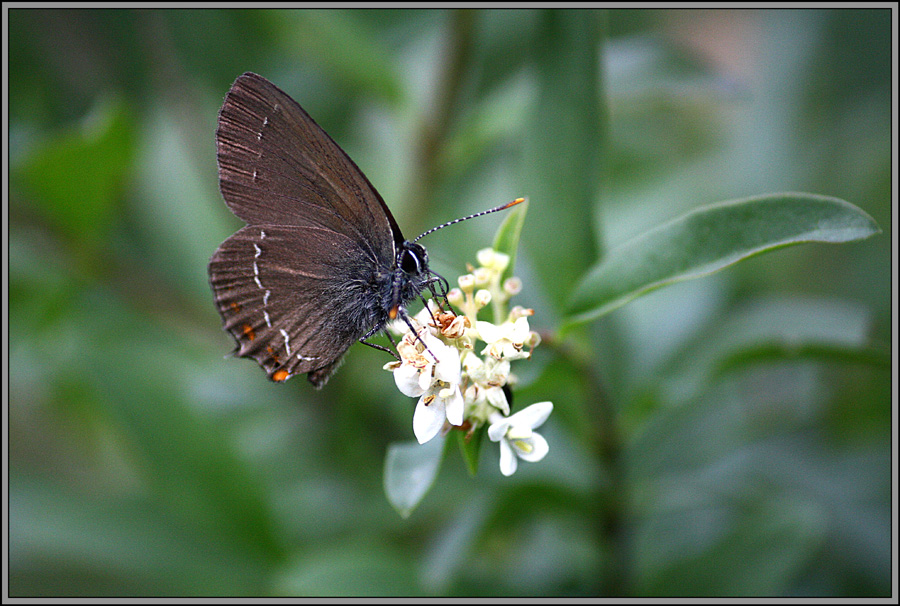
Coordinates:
[413,259]
[411,276]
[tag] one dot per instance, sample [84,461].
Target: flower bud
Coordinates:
[482,298]
[485,257]
[456,297]
[512,286]
[500,262]
[520,312]
[482,276]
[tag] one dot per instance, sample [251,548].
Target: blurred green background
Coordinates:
[746,417]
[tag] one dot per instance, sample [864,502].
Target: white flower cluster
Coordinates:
[461,385]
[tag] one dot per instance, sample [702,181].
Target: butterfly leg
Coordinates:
[440,293]
[379,347]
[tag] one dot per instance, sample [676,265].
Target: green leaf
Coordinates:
[870,355]
[409,471]
[768,329]
[711,238]
[761,555]
[75,178]
[506,240]
[183,455]
[97,534]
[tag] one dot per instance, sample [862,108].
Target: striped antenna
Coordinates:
[484,212]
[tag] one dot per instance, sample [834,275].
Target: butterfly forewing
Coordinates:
[277,166]
[294,287]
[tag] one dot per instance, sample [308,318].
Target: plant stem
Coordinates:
[607,448]
[434,129]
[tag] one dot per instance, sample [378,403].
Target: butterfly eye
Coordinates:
[409,262]
[413,259]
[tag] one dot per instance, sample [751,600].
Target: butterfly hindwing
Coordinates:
[293,296]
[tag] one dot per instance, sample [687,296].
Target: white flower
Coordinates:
[434,374]
[506,340]
[488,378]
[439,404]
[517,438]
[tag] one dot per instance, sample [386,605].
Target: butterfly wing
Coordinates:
[278,167]
[289,295]
[288,285]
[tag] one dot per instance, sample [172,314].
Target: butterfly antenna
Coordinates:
[484,212]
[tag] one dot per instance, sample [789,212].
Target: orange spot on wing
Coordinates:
[273,354]
[280,375]
[248,330]
[235,307]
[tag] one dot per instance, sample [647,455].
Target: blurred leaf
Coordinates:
[476,138]
[759,557]
[768,352]
[453,543]
[711,238]
[130,546]
[186,459]
[561,159]
[345,47]
[409,471]
[40,283]
[506,240]
[351,570]
[180,216]
[766,324]
[75,178]
[667,109]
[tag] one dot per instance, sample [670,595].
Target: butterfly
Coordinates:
[321,263]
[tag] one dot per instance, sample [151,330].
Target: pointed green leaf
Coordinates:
[711,238]
[409,471]
[506,240]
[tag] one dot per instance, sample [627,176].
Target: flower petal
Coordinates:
[508,460]
[497,430]
[428,419]
[539,449]
[454,407]
[407,379]
[449,368]
[519,331]
[488,332]
[533,416]
[425,379]
[473,365]
[497,399]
